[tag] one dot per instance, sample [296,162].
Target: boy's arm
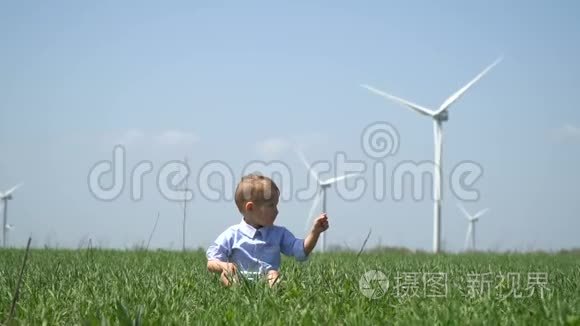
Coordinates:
[320,225]
[218,254]
[216,266]
[310,242]
[299,248]
[291,246]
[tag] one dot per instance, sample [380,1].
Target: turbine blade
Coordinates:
[480,213]
[312,209]
[307,165]
[336,179]
[11,190]
[464,211]
[411,105]
[451,99]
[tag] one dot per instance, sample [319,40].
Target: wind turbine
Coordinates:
[323,185]
[184,203]
[9,228]
[5,197]
[471,228]
[439,116]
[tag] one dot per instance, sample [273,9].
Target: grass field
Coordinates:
[124,287]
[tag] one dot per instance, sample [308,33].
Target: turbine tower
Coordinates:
[5,197]
[439,116]
[8,228]
[471,227]
[185,190]
[323,185]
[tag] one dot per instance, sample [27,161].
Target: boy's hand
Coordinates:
[273,277]
[320,224]
[230,268]
[228,273]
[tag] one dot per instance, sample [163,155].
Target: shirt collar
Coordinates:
[250,231]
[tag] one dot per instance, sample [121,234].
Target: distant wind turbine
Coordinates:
[471,228]
[439,116]
[5,197]
[9,228]
[185,190]
[152,231]
[323,185]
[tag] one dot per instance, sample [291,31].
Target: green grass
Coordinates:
[123,287]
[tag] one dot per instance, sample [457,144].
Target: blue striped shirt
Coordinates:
[256,250]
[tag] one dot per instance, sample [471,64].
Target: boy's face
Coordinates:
[262,214]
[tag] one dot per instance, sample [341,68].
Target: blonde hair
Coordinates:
[255,188]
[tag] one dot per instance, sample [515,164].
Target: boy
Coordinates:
[253,246]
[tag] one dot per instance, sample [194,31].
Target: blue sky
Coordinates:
[243,81]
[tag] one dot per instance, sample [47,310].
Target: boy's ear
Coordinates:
[249,206]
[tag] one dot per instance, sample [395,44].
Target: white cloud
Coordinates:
[272,147]
[137,137]
[129,137]
[567,132]
[176,137]
[276,146]
[311,140]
